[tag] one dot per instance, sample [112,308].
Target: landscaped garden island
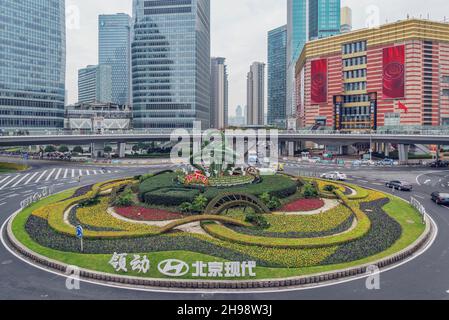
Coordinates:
[237,226]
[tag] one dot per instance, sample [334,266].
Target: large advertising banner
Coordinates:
[319,81]
[394,72]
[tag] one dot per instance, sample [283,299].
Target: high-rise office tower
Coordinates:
[95,84]
[346,19]
[256,94]
[219,93]
[114,31]
[307,20]
[32,64]
[171,63]
[277,76]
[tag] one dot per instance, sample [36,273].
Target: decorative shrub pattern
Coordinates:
[303,205]
[147,214]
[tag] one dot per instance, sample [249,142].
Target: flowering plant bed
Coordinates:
[303,205]
[147,214]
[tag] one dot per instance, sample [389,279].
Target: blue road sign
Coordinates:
[79,232]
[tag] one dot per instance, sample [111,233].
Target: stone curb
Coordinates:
[303,281]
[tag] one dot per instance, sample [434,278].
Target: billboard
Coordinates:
[394,72]
[319,81]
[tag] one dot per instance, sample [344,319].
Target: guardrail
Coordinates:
[418,206]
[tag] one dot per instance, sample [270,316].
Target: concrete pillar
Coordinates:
[387,149]
[97,150]
[404,149]
[291,148]
[121,149]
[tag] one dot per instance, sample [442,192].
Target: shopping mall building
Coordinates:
[394,76]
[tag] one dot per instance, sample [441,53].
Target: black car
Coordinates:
[399,185]
[440,198]
[439,164]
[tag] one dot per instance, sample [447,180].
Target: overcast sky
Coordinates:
[239,31]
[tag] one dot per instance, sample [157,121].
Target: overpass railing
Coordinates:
[169,131]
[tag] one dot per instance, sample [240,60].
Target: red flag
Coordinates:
[402,106]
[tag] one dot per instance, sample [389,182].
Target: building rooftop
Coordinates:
[404,30]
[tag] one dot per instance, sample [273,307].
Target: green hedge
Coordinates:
[163,190]
[157,182]
[172,197]
[7,166]
[277,186]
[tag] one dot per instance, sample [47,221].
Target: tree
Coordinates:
[78,149]
[63,149]
[50,149]
[108,150]
[135,148]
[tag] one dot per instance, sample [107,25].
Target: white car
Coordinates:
[368,163]
[314,160]
[337,176]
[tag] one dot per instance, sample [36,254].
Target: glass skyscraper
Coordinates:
[114,49]
[324,18]
[94,84]
[171,63]
[32,64]
[277,76]
[307,20]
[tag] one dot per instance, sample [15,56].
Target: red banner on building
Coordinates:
[394,72]
[319,81]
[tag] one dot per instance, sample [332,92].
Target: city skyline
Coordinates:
[227,24]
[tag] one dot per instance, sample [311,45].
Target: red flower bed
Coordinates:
[303,205]
[147,214]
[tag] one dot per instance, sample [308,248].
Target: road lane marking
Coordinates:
[95,172]
[51,173]
[12,195]
[9,182]
[73,173]
[41,176]
[427,181]
[58,174]
[5,179]
[20,180]
[65,173]
[88,172]
[80,172]
[3,203]
[31,178]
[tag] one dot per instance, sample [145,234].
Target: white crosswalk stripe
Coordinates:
[13,182]
[31,178]
[20,180]
[6,178]
[8,182]
[58,174]
[41,176]
[49,176]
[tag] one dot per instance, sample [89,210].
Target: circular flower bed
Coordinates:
[147,214]
[303,205]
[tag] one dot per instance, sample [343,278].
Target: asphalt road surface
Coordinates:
[425,277]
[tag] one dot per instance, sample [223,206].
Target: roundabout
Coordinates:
[237,248]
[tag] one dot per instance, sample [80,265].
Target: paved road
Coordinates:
[426,277]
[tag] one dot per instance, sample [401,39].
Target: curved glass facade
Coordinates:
[171,63]
[32,64]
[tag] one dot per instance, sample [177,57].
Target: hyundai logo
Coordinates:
[173,268]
